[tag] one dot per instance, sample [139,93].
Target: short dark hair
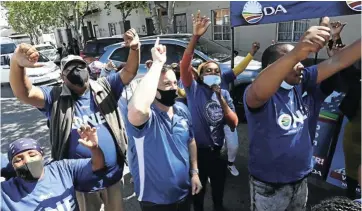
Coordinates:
[337,203]
[273,53]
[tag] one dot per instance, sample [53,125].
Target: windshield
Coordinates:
[42,48]
[212,49]
[8,48]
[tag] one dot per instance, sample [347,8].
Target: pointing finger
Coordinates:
[157,41]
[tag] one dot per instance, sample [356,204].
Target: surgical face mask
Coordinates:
[30,171]
[212,80]
[168,97]
[78,76]
[285,85]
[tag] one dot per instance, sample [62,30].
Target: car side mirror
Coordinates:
[196,62]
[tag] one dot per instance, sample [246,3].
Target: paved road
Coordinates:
[19,120]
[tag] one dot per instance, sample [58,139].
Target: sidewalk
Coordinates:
[236,196]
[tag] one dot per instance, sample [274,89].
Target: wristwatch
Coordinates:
[194,171]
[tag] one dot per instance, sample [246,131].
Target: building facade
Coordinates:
[102,25]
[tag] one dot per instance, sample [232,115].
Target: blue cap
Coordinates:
[22,145]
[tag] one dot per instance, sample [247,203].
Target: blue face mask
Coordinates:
[212,80]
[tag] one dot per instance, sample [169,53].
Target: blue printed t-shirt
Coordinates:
[280,149]
[87,112]
[314,99]
[54,191]
[207,115]
[158,155]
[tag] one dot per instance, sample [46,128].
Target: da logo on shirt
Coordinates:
[285,121]
[213,112]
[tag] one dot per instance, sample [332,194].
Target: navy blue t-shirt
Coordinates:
[280,149]
[54,191]
[207,115]
[87,112]
[158,155]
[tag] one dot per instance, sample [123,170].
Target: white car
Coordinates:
[49,74]
[47,50]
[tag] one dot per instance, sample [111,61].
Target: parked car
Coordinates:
[49,51]
[49,74]
[205,50]
[93,49]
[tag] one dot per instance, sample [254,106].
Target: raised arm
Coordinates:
[200,25]
[89,139]
[130,70]
[243,64]
[25,56]
[269,80]
[340,58]
[140,106]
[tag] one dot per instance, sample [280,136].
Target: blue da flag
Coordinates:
[244,13]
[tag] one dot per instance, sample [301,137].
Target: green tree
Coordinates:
[125,8]
[30,17]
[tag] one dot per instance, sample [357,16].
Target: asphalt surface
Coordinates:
[19,120]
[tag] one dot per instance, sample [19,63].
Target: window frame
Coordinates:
[292,32]
[222,26]
[175,23]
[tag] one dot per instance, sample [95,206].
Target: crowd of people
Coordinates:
[172,124]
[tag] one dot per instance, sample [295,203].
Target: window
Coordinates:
[8,48]
[292,31]
[146,53]
[221,24]
[120,55]
[180,23]
[112,29]
[174,53]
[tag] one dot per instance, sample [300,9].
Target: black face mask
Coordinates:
[78,76]
[30,171]
[167,97]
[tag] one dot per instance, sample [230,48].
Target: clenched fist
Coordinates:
[254,48]
[314,39]
[131,39]
[26,55]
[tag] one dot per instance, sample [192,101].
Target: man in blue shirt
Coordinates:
[162,149]
[84,110]
[49,187]
[280,150]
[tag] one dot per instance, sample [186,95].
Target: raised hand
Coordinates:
[26,55]
[159,52]
[254,48]
[88,137]
[131,39]
[337,28]
[216,88]
[110,65]
[200,24]
[312,41]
